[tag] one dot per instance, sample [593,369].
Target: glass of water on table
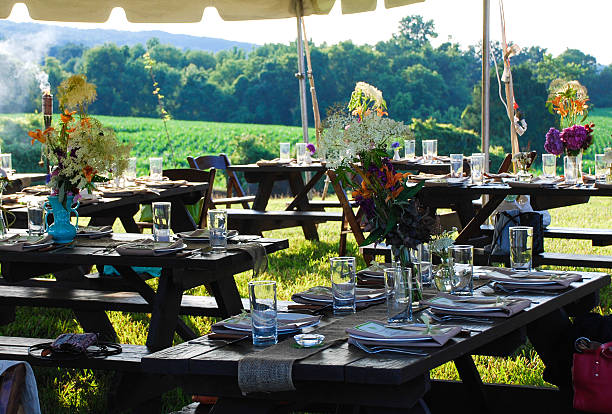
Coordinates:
[217,226]
[161,221]
[264,317]
[343,281]
[456,165]
[462,259]
[36,215]
[521,248]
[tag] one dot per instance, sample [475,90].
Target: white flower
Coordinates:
[608,156]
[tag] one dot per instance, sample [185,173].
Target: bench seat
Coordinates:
[233,200]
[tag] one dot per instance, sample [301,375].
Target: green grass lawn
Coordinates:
[303,265]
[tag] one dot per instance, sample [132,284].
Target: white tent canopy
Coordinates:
[184,11]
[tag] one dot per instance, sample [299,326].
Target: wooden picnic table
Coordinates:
[106,210]
[21,180]
[345,375]
[441,165]
[299,211]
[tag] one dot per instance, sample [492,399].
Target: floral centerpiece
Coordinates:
[80,149]
[439,245]
[523,161]
[569,101]
[356,146]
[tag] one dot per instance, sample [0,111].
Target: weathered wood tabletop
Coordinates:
[343,374]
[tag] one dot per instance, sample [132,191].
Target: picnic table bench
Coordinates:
[344,375]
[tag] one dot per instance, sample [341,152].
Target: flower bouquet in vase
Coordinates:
[356,146]
[443,273]
[569,101]
[80,151]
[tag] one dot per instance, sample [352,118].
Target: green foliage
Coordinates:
[15,140]
[252,148]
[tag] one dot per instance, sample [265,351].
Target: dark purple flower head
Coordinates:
[574,137]
[553,143]
[395,145]
[311,148]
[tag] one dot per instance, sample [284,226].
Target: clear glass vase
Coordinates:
[407,258]
[443,275]
[571,169]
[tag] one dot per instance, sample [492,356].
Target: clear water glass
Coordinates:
[217,227]
[264,316]
[6,161]
[601,168]
[571,168]
[462,260]
[549,165]
[343,282]
[409,149]
[428,150]
[424,264]
[456,165]
[477,167]
[155,168]
[161,221]
[398,291]
[434,149]
[285,151]
[300,152]
[521,247]
[130,172]
[36,216]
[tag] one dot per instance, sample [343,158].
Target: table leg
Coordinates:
[165,312]
[226,294]
[102,221]
[471,380]
[264,191]
[473,227]
[301,198]
[129,224]
[181,220]
[297,188]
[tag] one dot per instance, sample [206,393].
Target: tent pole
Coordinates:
[301,75]
[485,82]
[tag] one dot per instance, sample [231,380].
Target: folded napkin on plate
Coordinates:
[196,234]
[415,335]
[287,322]
[446,182]
[37,189]
[375,271]
[323,295]
[20,243]
[535,183]
[166,183]
[443,303]
[94,230]
[149,248]
[531,280]
[425,176]
[273,162]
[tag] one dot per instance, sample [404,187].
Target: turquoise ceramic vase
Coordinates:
[61,230]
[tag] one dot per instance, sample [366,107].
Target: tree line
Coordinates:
[418,80]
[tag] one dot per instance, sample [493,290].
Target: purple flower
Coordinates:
[574,137]
[395,145]
[311,148]
[553,143]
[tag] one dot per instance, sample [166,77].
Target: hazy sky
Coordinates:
[553,24]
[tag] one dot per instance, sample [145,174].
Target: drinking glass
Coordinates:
[409,149]
[264,322]
[36,212]
[601,168]
[549,165]
[428,150]
[130,172]
[424,264]
[285,151]
[521,245]
[456,165]
[300,152]
[434,149]
[7,161]
[478,161]
[217,226]
[343,284]
[161,221]
[398,290]
[462,259]
[571,169]
[155,168]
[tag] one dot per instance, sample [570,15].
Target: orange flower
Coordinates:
[67,116]
[380,112]
[85,122]
[39,135]
[580,105]
[364,191]
[89,173]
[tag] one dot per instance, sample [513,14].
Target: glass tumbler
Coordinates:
[462,259]
[7,162]
[424,264]
[300,152]
[155,168]
[285,151]
[456,165]
[264,316]
[161,221]
[601,168]
[217,226]
[428,150]
[478,161]
[521,247]
[549,165]
[343,282]
[398,291]
[130,172]
[409,149]
[36,213]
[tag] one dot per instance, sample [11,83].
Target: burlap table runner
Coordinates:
[270,370]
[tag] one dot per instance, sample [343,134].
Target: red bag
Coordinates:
[592,374]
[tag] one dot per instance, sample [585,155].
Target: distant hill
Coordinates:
[93,37]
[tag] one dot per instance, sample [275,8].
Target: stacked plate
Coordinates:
[202,235]
[323,295]
[287,323]
[94,231]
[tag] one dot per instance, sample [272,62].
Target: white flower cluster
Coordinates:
[346,137]
[370,91]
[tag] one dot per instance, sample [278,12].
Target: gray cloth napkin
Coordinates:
[531,280]
[148,248]
[21,243]
[258,254]
[444,303]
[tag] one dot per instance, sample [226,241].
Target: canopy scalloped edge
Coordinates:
[189,11]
